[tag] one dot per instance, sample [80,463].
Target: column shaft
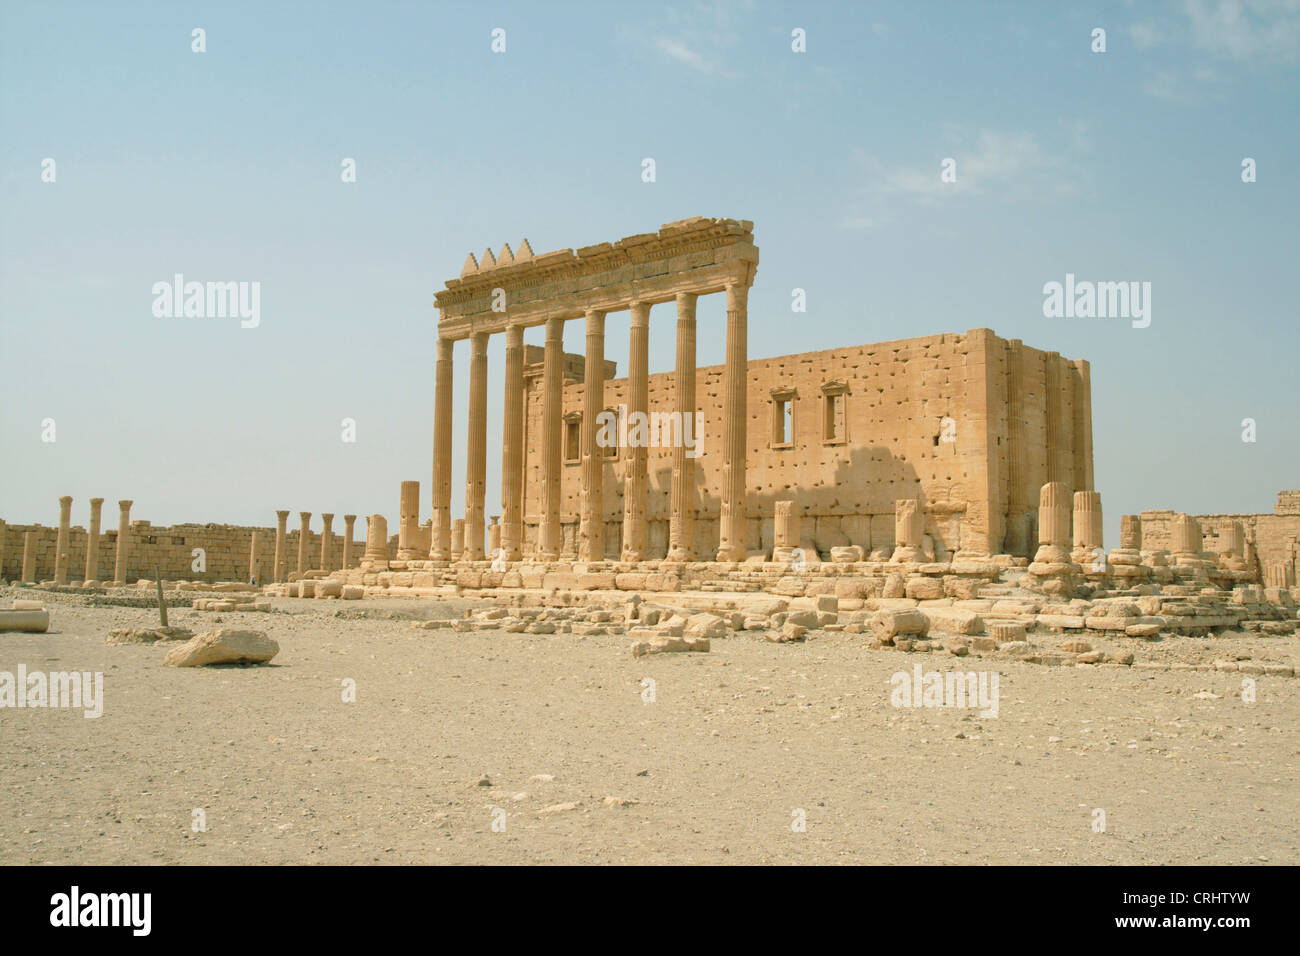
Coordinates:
[325,536]
[304,533]
[638,387]
[591,543]
[348,522]
[440,543]
[512,447]
[735,412]
[281,520]
[123,536]
[61,544]
[552,399]
[92,540]
[476,460]
[681,528]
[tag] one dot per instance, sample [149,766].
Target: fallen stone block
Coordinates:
[887,624]
[151,635]
[31,621]
[224,646]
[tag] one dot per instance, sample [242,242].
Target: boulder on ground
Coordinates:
[227,645]
[887,624]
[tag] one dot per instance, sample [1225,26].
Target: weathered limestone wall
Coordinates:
[226,547]
[1276,535]
[1017,417]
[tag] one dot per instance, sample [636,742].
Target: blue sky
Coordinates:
[225,165]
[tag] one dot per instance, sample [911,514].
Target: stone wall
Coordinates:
[1276,535]
[171,549]
[972,424]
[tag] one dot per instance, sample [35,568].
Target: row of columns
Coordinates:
[304,534]
[591,541]
[92,543]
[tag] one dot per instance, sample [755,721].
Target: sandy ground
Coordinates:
[716,769]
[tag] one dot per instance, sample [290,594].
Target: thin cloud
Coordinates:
[1248,30]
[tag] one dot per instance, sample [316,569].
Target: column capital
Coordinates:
[514,336]
[444,348]
[97,502]
[65,500]
[555,327]
[349,518]
[478,342]
[640,312]
[282,515]
[304,516]
[125,504]
[326,516]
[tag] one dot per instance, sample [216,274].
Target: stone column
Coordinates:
[458,539]
[1232,547]
[92,540]
[548,540]
[281,520]
[476,459]
[638,400]
[1187,542]
[785,531]
[2,551]
[909,531]
[735,412]
[1087,530]
[681,526]
[304,533]
[591,528]
[1053,524]
[512,447]
[408,521]
[325,535]
[494,536]
[123,536]
[61,544]
[440,545]
[1126,561]
[349,521]
[252,558]
[29,566]
[376,540]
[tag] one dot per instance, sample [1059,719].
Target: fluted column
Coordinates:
[681,527]
[304,532]
[281,521]
[123,536]
[408,521]
[440,536]
[376,541]
[325,535]
[735,412]
[61,544]
[512,447]
[476,460]
[92,540]
[591,540]
[1053,524]
[909,531]
[29,564]
[638,399]
[1087,527]
[458,539]
[548,542]
[349,521]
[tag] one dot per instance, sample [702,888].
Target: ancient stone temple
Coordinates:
[691,465]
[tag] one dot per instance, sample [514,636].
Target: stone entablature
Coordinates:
[698,256]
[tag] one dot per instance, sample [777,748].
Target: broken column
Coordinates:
[29,563]
[408,522]
[92,541]
[1126,560]
[376,555]
[458,539]
[909,530]
[348,522]
[304,535]
[1186,544]
[1052,570]
[1232,547]
[785,530]
[123,536]
[1088,553]
[61,544]
[252,558]
[281,522]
